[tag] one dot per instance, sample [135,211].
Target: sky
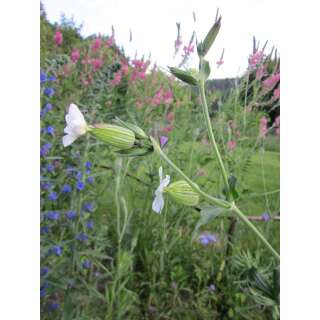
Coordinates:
[153,25]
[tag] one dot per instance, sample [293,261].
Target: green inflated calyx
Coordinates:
[182,193]
[118,137]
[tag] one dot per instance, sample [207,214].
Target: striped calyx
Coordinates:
[182,193]
[115,136]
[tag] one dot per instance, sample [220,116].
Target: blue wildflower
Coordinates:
[88,206]
[50,130]
[265,216]
[90,224]
[48,107]
[44,230]
[57,250]
[71,215]
[207,238]
[43,77]
[45,149]
[79,175]
[43,289]
[80,185]
[54,306]
[53,215]
[52,78]
[53,196]
[88,164]
[90,180]
[66,188]
[50,167]
[88,171]
[44,271]
[86,264]
[82,237]
[49,92]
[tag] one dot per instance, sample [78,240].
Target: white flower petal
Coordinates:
[74,113]
[165,181]
[68,139]
[158,203]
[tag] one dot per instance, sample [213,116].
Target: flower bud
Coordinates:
[116,136]
[182,193]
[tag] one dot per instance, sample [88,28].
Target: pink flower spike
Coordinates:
[231,145]
[170,116]
[58,38]
[75,55]
[276,93]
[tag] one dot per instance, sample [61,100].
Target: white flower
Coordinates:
[76,125]
[158,202]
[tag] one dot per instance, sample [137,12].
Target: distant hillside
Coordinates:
[222,85]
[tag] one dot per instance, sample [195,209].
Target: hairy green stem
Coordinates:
[213,200]
[211,135]
[244,219]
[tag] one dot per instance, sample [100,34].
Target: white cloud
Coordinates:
[153,25]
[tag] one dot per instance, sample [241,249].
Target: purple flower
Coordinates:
[90,180]
[86,264]
[90,224]
[80,185]
[50,130]
[53,215]
[43,289]
[66,188]
[44,230]
[82,237]
[49,92]
[43,77]
[44,271]
[88,164]
[45,149]
[88,207]
[57,250]
[54,306]
[48,107]
[79,175]
[163,141]
[52,196]
[71,215]
[212,288]
[50,167]
[207,238]
[265,216]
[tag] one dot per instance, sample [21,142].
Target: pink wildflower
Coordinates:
[276,93]
[117,78]
[256,59]
[167,129]
[269,83]
[75,55]
[96,63]
[201,172]
[188,49]
[167,97]
[219,63]
[139,104]
[263,127]
[231,145]
[170,116]
[58,38]
[124,68]
[96,44]
[261,71]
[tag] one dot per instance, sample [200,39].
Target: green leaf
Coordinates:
[205,46]
[204,69]
[207,215]
[185,76]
